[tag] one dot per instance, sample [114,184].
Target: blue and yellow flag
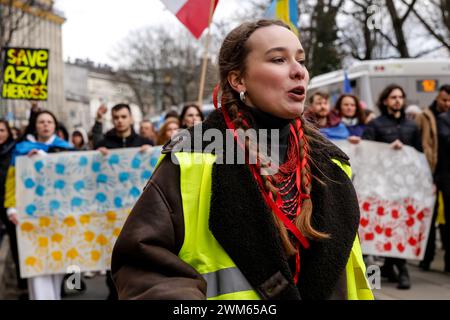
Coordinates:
[347,85]
[284,10]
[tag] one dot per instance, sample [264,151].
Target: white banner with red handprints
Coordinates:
[396,198]
[72,206]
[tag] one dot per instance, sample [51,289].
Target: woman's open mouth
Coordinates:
[297,94]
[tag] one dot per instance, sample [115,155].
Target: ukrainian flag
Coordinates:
[284,10]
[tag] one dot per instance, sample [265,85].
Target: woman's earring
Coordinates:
[242,96]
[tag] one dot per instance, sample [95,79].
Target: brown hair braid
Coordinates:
[232,57]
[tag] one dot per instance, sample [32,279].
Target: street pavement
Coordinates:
[431,285]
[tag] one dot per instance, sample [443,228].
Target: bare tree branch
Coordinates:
[422,53]
[410,8]
[431,30]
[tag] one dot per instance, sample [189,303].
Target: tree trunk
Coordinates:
[397,24]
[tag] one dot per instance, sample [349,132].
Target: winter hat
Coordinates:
[413,109]
[83,133]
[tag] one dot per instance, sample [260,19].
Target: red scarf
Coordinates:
[289,196]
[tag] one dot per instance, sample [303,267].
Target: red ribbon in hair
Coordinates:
[276,206]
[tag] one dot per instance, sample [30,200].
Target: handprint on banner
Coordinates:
[145,175]
[118,162]
[38,165]
[136,162]
[61,188]
[28,183]
[154,157]
[128,178]
[35,208]
[85,185]
[105,182]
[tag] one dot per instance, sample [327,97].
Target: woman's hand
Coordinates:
[144,148]
[33,153]
[104,151]
[397,145]
[13,218]
[354,139]
[100,112]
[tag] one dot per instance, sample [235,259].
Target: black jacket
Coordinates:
[113,141]
[443,165]
[5,159]
[387,129]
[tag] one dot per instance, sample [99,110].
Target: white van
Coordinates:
[420,78]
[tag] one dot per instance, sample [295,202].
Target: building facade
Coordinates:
[40,26]
[87,86]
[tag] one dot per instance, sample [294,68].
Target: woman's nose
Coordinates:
[297,71]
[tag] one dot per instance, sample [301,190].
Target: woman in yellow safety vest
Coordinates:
[220,219]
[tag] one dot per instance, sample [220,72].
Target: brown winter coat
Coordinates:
[427,125]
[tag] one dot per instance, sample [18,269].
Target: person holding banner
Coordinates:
[190,116]
[393,127]
[204,229]
[443,178]
[352,116]
[43,140]
[121,136]
[7,144]
[328,122]
[427,122]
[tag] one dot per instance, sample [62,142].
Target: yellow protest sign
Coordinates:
[25,74]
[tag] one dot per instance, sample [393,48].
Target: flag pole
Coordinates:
[205,57]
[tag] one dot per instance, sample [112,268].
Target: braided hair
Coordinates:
[232,57]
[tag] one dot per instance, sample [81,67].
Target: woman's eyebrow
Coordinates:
[282,49]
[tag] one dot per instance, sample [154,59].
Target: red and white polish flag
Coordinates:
[194,14]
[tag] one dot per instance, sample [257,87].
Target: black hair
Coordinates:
[171,114]
[445,88]
[120,106]
[8,129]
[385,94]
[185,109]
[61,127]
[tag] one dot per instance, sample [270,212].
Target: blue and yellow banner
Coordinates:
[284,10]
[73,205]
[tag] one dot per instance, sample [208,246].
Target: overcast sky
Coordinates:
[94,27]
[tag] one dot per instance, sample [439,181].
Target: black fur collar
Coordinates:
[243,225]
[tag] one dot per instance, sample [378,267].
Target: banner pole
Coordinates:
[205,57]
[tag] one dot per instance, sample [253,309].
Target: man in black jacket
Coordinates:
[427,122]
[393,127]
[443,178]
[122,136]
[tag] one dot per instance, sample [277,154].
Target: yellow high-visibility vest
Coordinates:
[204,253]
